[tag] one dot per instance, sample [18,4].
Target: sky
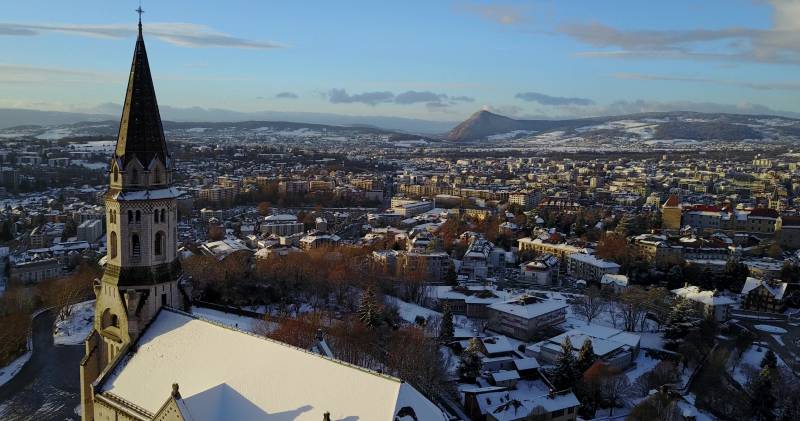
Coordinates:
[429,59]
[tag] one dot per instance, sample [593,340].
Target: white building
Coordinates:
[709,303]
[90,230]
[541,271]
[589,268]
[282,225]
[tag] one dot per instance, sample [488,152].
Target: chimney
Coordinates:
[326,416]
[175,391]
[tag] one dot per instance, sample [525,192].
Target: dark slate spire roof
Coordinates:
[141,134]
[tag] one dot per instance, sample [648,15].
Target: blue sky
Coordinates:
[431,59]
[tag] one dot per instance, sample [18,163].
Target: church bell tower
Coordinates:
[142,271]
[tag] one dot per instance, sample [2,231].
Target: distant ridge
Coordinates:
[669,125]
[12,117]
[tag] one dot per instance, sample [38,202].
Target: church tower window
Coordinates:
[136,248]
[113,245]
[158,247]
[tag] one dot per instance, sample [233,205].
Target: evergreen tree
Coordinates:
[446,330]
[770,361]
[470,367]
[566,372]
[368,311]
[586,356]
[680,322]
[762,401]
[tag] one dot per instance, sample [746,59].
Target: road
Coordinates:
[788,348]
[48,387]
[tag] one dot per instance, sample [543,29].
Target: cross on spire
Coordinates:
[140,11]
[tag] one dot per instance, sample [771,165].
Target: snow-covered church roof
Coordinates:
[225,373]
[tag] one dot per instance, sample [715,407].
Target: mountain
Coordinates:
[10,117]
[485,125]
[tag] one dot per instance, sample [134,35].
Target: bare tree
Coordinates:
[590,305]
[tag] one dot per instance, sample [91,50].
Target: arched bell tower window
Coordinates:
[163,215]
[158,247]
[113,246]
[138,216]
[130,216]
[114,320]
[136,248]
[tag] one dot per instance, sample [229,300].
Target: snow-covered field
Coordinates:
[8,372]
[73,329]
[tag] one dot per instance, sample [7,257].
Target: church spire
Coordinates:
[141,135]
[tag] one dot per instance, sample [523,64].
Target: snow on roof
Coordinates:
[168,193]
[528,363]
[511,407]
[224,373]
[777,290]
[505,375]
[528,309]
[593,260]
[280,218]
[708,297]
[497,344]
[609,278]
[605,340]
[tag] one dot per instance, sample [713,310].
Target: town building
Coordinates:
[590,268]
[764,295]
[523,316]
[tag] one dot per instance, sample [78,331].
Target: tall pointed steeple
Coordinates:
[141,135]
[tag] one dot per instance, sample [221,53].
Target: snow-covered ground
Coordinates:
[8,372]
[74,328]
[688,409]
[750,363]
[410,311]
[644,364]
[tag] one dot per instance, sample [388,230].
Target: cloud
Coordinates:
[340,96]
[552,100]
[503,14]
[759,86]
[287,95]
[20,73]
[180,34]
[780,43]
[431,99]
[462,99]
[412,97]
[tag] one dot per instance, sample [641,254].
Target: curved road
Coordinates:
[48,387]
